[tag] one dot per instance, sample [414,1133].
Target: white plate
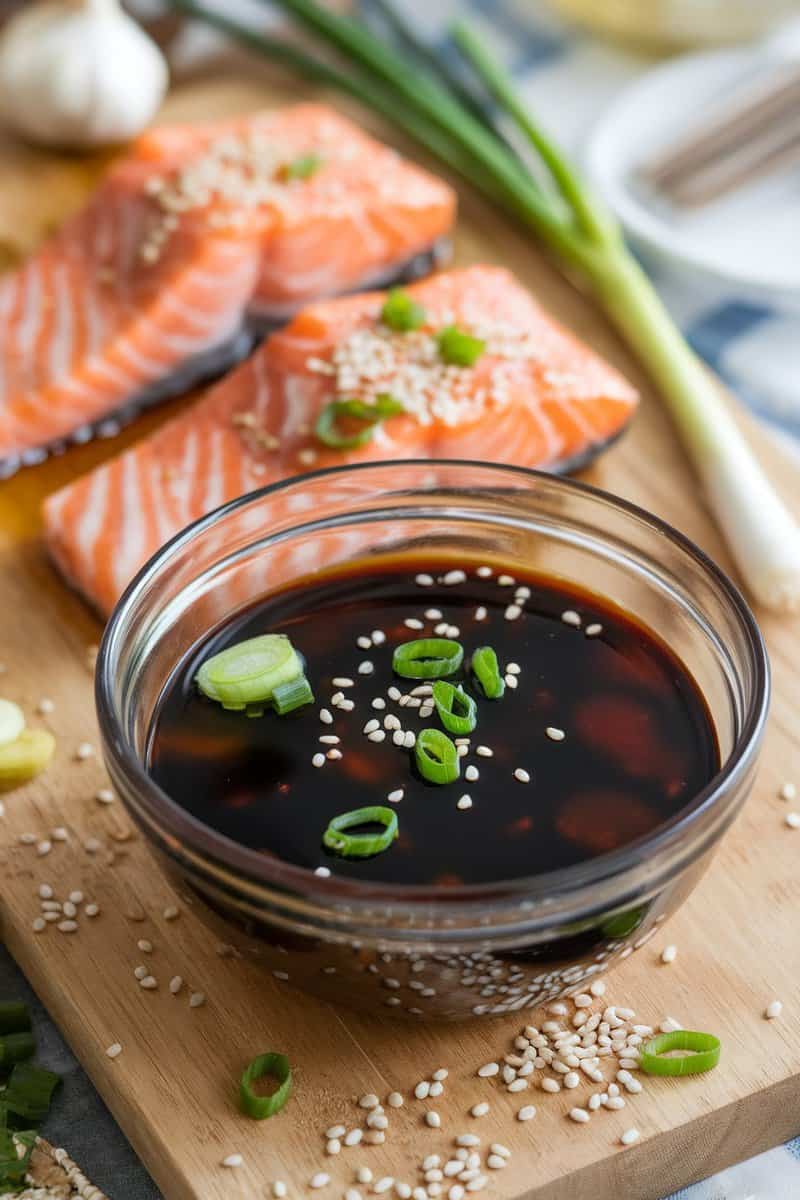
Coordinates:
[747,243]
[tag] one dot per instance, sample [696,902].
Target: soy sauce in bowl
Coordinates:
[600,736]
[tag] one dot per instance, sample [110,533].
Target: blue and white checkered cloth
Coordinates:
[567,79]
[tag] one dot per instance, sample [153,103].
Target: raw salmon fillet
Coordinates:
[536,397]
[146,291]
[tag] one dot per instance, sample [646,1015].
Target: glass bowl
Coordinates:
[477,950]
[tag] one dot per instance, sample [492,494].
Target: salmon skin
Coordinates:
[195,243]
[535,397]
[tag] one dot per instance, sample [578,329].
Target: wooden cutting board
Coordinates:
[172,1088]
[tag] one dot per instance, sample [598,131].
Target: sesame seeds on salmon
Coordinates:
[535,397]
[195,240]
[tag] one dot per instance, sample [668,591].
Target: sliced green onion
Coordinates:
[361,845]
[437,757]
[704,1053]
[29,1091]
[249,672]
[15,1017]
[288,696]
[459,349]
[401,312]
[15,1047]
[427,658]
[447,700]
[12,721]
[14,1168]
[303,167]
[354,410]
[486,670]
[260,1107]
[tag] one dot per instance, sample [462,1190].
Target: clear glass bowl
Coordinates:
[477,950]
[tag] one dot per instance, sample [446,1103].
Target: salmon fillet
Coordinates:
[535,397]
[146,291]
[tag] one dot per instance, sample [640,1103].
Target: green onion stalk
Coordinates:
[428,105]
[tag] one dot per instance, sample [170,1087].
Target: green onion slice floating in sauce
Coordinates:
[448,700]
[250,671]
[288,696]
[402,313]
[302,167]
[370,416]
[704,1047]
[361,845]
[427,658]
[487,672]
[260,1107]
[437,757]
[459,349]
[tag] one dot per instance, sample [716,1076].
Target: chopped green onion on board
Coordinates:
[260,1107]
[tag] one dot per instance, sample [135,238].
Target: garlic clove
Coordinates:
[79,73]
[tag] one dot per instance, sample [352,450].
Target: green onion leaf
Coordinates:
[427,658]
[437,757]
[402,313]
[361,845]
[354,411]
[705,1050]
[29,1091]
[288,696]
[15,1047]
[303,167]
[487,672]
[14,1168]
[249,672]
[459,349]
[260,1107]
[15,1017]
[447,700]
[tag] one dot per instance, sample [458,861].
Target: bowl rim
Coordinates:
[273,873]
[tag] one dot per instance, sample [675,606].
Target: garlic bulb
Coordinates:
[78,73]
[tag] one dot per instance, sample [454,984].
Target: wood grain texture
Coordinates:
[172,1087]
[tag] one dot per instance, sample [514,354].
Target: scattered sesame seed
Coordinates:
[318,760]
[413,623]
[70,909]
[175,984]
[76,897]
[322,872]
[422,1089]
[333,1146]
[773,1010]
[480,1109]
[375,1137]
[45,706]
[233,1160]
[480,613]
[368,1100]
[471,774]
[377,735]
[91,910]
[488,1069]
[517,1085]
[171,912]
[148,982]
[669,953]
[512,612]
[326,716]
[45,891]
[522,775]
[378,637]
[342,681]
[145,946]
[436,1089]
[59,834]
[43,847]
[320,1180]
[364,1175]
[92,845]
[85,750]
[555,734]
[396,796]
[629,1137]
[526,1113]
[433,1119]
[364,642]
[551,1085]
[570,617]
[506,580]
[433,614]
[580,1115]
[788,792]
[383,1185]
[366,667]
[39,924]
[114,1050]
[424,580]
[464,802]
[353,1137]
[197,1000]
[394,1100]
[27,839]
[792,819]
[594,630]
[495,1162]
[484,752]
[279,1189]
[379,703]
[409,739]
[453,577]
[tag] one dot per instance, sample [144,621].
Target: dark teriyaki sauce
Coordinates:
[638,740]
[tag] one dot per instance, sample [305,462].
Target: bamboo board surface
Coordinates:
[171,1089]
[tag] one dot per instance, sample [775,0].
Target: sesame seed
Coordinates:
[433,614]
[375,1137]
[506,580]
[522,775]
[233,1160]
[335,1131]
[424,580]
[378,637]
[353,1137]
[394,1100]
[366,667]
[279,1189]
[773,1010]
[480,613]
[402,1190]
[320,1180]
[422,1089]
[571,1079]
[399,737]
[347,705]
[145,946]
[555,734]
[788,792]
[484,752]
[517,1085]
[326,716]
[383,1185]
[551,1085]
[456,1192]
[38,924]
[453,577]
[377,735]
[43,847]
[70,909]
[322,872]
[364,1175]
[580,1115]
[526,1113]
[495,1162]
[377,1120]
[368,1100]
[175,984]
[488,1069]
[85,750]
[471,774]
[318,760]
[76,897]
[594,630]
[92,845]
[629,1137]
[333,1146]
[441,629]
[792,819]
[59,834]
[413,623]
[364,642]
[512,612]
[91,910]
[394,693]
[45,891]
[669,954]
[45,706]
[479,1110]
[433,1119]
[342,681]
[114,1050]
[409,739]
[464,802]
[379,703]
[27,839]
